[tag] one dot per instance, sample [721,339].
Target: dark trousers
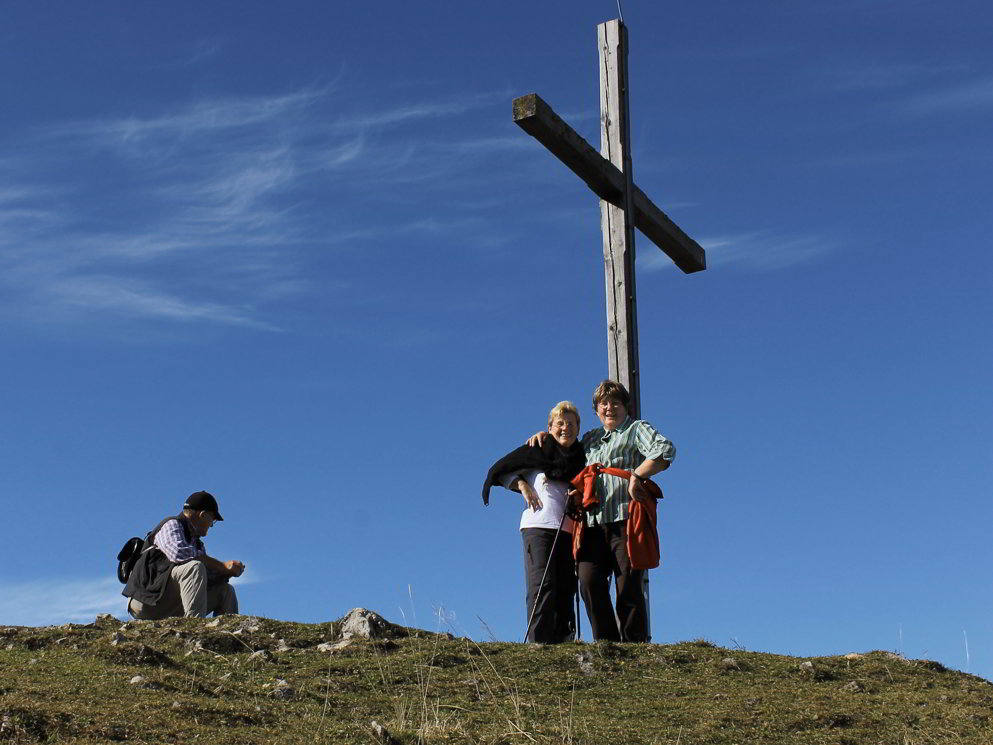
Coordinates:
[604,553]
[554,619]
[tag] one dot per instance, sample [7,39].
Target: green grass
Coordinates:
[69,684]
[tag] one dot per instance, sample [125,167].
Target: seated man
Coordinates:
[174,576]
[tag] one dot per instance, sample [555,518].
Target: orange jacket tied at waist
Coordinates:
[642,529]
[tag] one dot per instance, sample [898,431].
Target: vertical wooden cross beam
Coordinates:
[617,220]
[623,206]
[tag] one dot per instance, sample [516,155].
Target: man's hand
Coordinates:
[235,568]
[537,439]
[529,494]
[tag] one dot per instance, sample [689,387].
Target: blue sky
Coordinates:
[301,257]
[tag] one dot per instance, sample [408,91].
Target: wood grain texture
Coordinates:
[617,220]
[536,117]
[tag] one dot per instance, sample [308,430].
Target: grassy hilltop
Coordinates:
[243,680]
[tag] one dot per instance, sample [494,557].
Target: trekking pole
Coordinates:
[537,597]
[575,579]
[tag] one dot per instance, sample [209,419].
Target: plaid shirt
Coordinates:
[171,541]
[626,447]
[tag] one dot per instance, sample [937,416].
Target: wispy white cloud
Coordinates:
[341,154]
[50,603]
[250,576]
[761,251]
[220,115]
[222,195]
[196,53]
[417,111]
[131,299]
[489,145]
[961,96]
[47,603]
[576,115]
[883,76]
[913,87]
[863,158]
[765,250]
[213,207]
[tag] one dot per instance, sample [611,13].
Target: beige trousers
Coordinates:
[188,594]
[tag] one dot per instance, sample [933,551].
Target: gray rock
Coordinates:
[332,647]
[117,638]
[363,624]
[585,660]
[261,655]
[382,734]
[250,624]
[143,682]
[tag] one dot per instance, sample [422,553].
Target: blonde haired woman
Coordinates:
[541,473]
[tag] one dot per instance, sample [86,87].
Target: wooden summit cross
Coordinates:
[623,206]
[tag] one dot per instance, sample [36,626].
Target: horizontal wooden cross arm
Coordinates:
[687,254]
[536,118]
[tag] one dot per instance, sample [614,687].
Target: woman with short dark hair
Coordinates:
[632,445]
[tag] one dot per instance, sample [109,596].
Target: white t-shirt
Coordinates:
[553,498]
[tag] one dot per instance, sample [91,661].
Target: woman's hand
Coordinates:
[529,494]
[636,487]
[637,491]
[537,439]
[572,498]
[572,501]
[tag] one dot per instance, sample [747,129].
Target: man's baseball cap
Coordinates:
[202,500]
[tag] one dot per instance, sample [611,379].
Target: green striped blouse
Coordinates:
[626,447]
